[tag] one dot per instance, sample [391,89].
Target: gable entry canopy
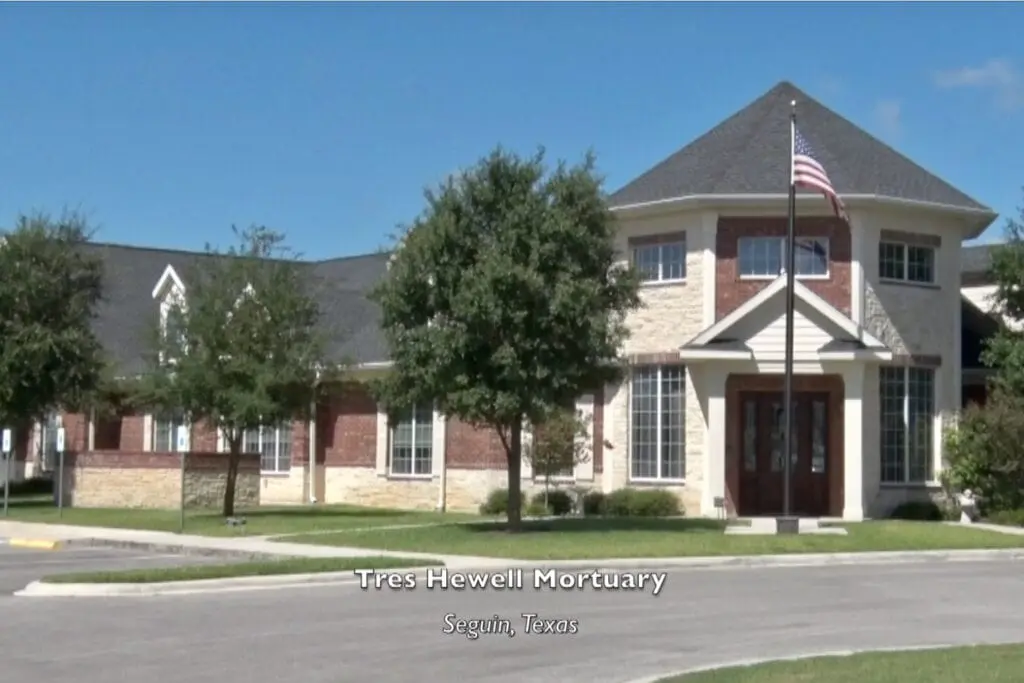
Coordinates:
[756,331]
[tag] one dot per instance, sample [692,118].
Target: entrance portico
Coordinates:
[737,367]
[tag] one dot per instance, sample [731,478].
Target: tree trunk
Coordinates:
[515,469]
[234,455]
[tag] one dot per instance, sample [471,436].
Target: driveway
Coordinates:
[341,634]
[19,566]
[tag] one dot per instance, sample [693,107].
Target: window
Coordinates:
[274,444]
[663,261]
[411,449]
[765,257]
[658,435]
[165,432]
[173,321]
[907,429]
[906,262]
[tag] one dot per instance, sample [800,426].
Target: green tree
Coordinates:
[1005,352]
[49,290]
[559,444]
[506,299]
[244,346]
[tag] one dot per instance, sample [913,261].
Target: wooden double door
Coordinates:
[762,467]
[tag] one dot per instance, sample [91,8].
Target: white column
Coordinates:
[853,443]
[712,390]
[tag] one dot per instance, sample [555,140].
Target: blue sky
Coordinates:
[168,123]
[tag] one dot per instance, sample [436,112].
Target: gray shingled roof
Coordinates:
[976,260]
[127,314]
[748,153]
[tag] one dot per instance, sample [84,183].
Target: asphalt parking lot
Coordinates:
[20,566]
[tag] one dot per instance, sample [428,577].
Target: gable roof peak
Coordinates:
[749,154]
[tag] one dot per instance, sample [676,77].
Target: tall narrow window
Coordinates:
[165,431]
[658,443]
[274,444]
[908,425]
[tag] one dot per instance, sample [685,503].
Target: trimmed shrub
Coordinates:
[630,502]
[536,509]
[918,511]
[559,503]
[497,503]
[1007,518]
[594,504]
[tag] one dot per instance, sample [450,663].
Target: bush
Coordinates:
[919,511]
[497,503]
[986,453]
[629,502]
[536,508]
[594,504]
[36,486]
[1007,518]
[559,502]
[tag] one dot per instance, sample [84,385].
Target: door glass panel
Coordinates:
[818,436]
[749,436]
[778,435]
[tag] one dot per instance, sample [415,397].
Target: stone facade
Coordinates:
[124,479]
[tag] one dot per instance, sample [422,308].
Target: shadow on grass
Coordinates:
[316,512]
[600,524]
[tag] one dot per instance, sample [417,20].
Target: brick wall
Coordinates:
[731,291]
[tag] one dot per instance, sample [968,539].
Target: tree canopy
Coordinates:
[506,299]
[49,289]
[243,347]
[1005,352]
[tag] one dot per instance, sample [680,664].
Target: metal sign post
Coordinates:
[182,444]
[5,447]
[60,472]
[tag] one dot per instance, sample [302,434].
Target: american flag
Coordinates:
[807,172]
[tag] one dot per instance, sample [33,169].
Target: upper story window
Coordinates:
[660,259]
[906,262]
[765,257]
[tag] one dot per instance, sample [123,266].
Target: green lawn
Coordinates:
[223,571]
[260,521]
[604,538]
[983,664]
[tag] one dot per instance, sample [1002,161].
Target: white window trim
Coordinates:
[905,480]
[674,481]
[905,280]
[149,424]
[820,238]
[437,447]
[277,449]
[660,280]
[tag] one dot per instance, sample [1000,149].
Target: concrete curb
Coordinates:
[173,548]
[38,589]
[741,663]
[792,560]
[41,589]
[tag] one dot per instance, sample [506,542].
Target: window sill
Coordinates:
[909,283]
[408,477]
[655,284]
[275,474]
[911,485]
[771,278]
[555,480]
[657,482]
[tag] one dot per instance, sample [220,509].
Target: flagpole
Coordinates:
[790,283]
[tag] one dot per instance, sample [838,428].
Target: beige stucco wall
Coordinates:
[910,319]
[284,489]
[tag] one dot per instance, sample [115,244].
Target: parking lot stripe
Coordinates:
[34,543]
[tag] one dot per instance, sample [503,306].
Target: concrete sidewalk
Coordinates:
[54,536]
